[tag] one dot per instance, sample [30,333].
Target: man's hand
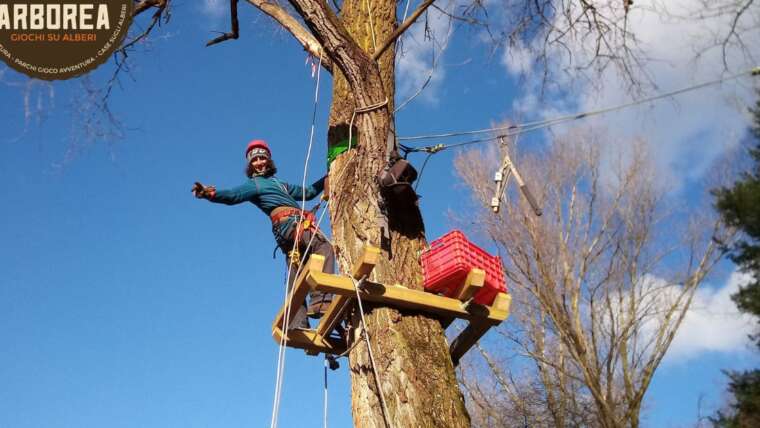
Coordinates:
[203,192]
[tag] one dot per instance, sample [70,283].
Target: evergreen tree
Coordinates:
[739,206]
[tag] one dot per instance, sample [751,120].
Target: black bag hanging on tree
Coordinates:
[398,197]
[395,181]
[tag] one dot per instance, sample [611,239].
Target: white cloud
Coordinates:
[414,65]
[685,134]
[713,323]
[215,8]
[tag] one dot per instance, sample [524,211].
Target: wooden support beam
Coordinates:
[402,297]
[334,314]
[472,284]
[310,341]
[340,303]
[471,334]
[342,287]
[502,302]
[477,328]
[366,263]
[299,291]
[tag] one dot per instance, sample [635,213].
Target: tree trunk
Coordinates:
[413,364]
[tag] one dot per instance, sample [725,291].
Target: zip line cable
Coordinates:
[281,354]
[535,125]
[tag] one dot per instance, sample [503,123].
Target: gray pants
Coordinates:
[317,299]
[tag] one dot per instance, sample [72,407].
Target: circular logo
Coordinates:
[60,39]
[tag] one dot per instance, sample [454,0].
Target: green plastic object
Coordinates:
[336,149]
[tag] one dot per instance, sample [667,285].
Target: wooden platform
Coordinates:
[320,340]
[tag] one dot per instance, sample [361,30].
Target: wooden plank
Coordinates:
[299,291]
[310,341]
[472,284]
[502,302]
[334,314]
[477,328]
[364,265]
[467,338]
[362,268]
[402,297]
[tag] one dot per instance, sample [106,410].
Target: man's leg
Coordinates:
[300,320]
[319,302]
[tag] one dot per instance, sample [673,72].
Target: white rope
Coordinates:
[286,322]
[371,356]
[300,269]
[371,25]
[325,399]
[406,11]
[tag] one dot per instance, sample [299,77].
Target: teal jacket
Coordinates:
[268,193]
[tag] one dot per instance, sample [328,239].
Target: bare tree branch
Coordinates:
[235,31]
[401,28]
[289,23]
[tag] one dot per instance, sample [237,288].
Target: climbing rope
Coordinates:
[281,354]
[365,333]
[287,303]
[325,395]
[532,126]
[371,24]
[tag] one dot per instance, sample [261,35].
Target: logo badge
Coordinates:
[61,39]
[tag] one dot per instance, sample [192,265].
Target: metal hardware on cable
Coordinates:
[501,178]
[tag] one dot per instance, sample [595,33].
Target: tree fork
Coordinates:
[415,370]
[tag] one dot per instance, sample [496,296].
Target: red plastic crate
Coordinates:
[449,260]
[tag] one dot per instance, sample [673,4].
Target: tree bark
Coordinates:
[416,373]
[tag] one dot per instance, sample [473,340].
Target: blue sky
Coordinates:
[125,302]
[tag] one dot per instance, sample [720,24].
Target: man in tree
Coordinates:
[290,225]
[740,207]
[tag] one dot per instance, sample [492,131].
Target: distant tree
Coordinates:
[740,207]
[600,284]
